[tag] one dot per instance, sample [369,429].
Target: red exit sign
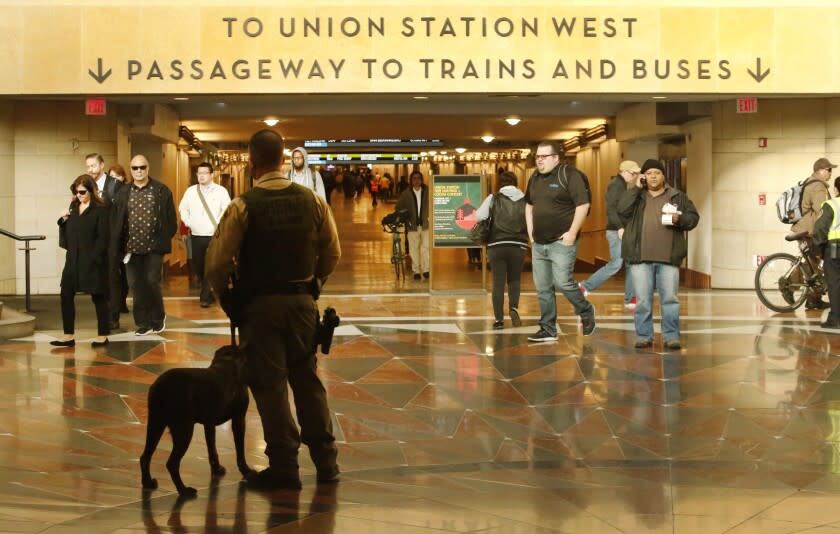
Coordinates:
[95,106]
[748,105]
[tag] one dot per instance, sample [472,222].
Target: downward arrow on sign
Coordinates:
[99,76]
[758,75]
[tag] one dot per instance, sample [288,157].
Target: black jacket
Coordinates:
[616,188]
[85,237]
[111,188]
[408,202]
[823,226]
[631,209]
[509,227]
[166,222]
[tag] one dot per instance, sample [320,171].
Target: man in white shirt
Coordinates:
[201,218]
[302,174]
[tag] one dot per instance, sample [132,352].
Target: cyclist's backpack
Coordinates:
[789,205]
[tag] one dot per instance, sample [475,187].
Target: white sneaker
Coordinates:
[632,304]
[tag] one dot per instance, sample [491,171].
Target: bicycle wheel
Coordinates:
[396,258]
[780,282]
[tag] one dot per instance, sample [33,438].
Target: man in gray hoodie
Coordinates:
[302,174]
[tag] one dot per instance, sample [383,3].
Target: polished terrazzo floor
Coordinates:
[445,425]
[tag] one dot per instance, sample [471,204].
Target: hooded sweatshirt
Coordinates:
[307,177]
[509,226]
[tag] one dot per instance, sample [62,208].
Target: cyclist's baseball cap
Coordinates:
[823,163]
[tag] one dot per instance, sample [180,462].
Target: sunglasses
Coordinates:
[138,167]
[81,192]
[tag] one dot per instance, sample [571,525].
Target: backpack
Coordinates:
[585,185]
[789,205]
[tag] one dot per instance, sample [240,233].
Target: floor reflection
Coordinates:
[445,425]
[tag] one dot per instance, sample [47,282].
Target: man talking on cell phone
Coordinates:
[654,245]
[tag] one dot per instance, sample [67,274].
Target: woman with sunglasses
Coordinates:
[83,232]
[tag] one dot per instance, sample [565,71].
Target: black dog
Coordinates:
[180,398]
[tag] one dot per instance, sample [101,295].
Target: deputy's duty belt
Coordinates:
[289,288]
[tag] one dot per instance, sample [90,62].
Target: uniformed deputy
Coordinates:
[826,236]
[282,237]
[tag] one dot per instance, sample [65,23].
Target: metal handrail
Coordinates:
[26,239]
[22,237]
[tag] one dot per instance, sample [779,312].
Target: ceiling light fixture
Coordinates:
[460,150]
[271,122]
[181,98]
[433,152]
[513,121]
[659,97]
[419,97]
[487,138]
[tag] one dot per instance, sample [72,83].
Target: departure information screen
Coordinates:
[371,143]
[361,159]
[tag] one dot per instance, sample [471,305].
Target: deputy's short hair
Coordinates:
[265,148]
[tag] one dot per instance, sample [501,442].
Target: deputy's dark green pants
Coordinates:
[277,339]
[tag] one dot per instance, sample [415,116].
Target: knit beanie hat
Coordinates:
[653,164]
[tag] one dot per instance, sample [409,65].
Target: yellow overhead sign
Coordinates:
[549,47]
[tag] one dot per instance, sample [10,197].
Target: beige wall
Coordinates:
[798,132]
[42,150]
[7,197]
[698,144]
[51,140]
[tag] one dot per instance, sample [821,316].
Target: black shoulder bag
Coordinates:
[480,233]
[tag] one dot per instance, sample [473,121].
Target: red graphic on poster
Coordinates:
[465,216]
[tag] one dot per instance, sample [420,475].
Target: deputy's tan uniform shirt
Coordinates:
[227,241]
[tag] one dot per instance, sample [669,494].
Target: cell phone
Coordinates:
[643,181]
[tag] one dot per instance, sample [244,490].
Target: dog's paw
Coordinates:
[218,470]
[150,484]
[187,492]
[247,471]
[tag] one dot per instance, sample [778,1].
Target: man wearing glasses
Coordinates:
[556,204]
[143,222]
[815,191]
[201,208]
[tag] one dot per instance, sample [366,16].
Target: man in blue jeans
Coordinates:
[628,171]
[654,245]
[556,204]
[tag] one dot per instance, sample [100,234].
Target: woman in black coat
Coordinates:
[83,232]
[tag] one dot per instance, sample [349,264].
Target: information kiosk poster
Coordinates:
[455,202]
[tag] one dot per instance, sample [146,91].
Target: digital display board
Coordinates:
[361,159]
[371,143]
